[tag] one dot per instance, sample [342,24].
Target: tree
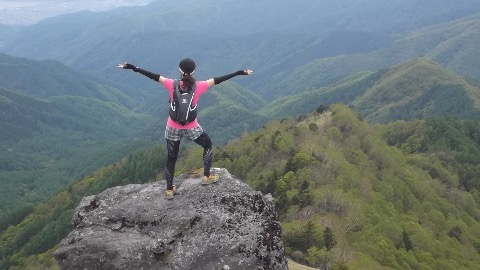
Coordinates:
[308,236]
[319,258]
[328,238]
[304,197]
[321,109]
[407,243]
[281,198]
[456,233]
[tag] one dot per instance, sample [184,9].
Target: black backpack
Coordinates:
[181,110]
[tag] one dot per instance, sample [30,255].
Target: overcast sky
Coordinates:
[25,12]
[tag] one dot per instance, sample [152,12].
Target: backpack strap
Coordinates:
[174,94]
[176,97]
[193,94]
[178,92]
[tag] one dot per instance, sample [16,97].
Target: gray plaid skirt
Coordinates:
[175,134]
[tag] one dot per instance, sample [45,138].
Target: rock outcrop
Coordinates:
[225,225]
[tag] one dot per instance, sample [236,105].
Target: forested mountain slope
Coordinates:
[56,125]
[415,89]
[49,78]
[350,199]
[350,194]
[451,44]
[419,89]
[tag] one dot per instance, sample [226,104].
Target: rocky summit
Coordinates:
[225,225]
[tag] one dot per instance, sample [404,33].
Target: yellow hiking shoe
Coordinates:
[207,180]
[170,193]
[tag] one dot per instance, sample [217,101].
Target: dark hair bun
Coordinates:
[187,66]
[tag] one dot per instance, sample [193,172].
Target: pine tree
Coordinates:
[328,238]
[407,243]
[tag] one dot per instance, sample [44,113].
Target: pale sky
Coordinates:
[30,12]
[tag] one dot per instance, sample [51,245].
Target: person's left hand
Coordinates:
[126,66]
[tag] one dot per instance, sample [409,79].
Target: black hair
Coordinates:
[188,80]
[187,67]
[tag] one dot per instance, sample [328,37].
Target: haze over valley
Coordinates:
[29,12]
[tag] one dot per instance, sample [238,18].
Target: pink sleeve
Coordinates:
[201,88]
[169,86]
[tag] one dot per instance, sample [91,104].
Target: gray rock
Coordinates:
[225,225]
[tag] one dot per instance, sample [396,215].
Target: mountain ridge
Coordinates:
[127,31]
[448,44]
[415,89]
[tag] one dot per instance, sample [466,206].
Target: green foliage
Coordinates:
[328,238]
[360,194]
[57,126]
[301,237]
[14,217]
[450,140]
[42,79]
[230,110]
[406,242]
[404,93]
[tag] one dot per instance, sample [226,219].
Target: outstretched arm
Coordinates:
[151,75]
[218,80]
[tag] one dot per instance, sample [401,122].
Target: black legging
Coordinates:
[173,148]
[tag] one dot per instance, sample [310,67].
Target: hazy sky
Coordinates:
[29,12]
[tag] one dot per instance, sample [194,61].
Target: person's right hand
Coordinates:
[126,66]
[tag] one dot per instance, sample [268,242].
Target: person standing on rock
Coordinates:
[182,120]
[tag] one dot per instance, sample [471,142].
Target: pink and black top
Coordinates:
[201,88]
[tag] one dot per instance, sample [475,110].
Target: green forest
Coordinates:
[356,196]
[47,143]
[350,195]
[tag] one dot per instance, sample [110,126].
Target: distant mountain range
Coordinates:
[66,109]
[332,39]
[449,44]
